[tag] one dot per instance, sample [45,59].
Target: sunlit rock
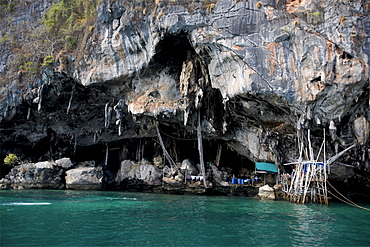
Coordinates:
[84,178]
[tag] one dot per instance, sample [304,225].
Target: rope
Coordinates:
[349,202]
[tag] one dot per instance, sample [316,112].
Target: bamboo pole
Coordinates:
[166,154]
[200,149]
[106,154]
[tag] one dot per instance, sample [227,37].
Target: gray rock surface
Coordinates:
[84,178]
[142,170]
[42,175]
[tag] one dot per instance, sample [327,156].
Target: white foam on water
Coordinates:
[27,203]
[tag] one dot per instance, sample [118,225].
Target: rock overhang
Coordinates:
[256,73]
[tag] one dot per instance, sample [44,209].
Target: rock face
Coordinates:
[259,73]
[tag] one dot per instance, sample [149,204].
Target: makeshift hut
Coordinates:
[264,168]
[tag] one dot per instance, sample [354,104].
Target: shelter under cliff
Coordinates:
[257,74]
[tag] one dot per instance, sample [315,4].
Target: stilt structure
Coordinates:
[309,179]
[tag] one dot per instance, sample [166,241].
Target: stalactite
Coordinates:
[29,113]
[119,114]
[40,90]
[218,154]
[140,150]
[70,100]
[107,115]
[75,144]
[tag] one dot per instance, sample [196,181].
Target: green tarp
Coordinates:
[262,166]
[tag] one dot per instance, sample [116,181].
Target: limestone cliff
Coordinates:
[259,73]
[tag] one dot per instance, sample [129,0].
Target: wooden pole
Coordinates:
[200,149]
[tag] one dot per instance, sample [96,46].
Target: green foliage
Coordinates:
[5,38]
[315,13]
[71,42]
[67,16]
[28,67]
[6,5]
[48,61]
[10,159]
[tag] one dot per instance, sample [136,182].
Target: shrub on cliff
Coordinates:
[69,16]
[10,159]
[48,61]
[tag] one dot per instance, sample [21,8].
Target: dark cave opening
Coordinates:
[184,145]
[171,52]
[134,149]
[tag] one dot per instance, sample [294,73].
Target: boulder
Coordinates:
[84,178]
[189,167]
[150,174]
[142,170]
[266,193]
[219,176]
[65,163]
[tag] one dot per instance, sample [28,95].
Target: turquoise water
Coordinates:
[97,218]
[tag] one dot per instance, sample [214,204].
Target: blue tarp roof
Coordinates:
[262,166]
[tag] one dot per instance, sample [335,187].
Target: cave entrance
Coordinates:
[171,52]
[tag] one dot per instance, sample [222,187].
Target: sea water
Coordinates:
[101,218]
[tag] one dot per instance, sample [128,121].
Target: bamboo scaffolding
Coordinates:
[309,180]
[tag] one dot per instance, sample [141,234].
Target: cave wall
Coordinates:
[260,73]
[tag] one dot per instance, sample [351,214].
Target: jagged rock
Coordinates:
[42,175]
[84,178]
[266,193]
